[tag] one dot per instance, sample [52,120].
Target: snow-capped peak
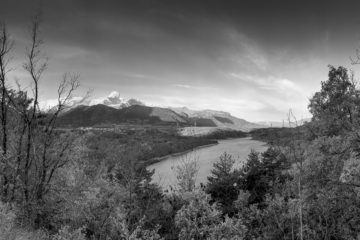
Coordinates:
[114,94]
[114,100]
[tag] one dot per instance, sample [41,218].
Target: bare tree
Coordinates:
[40,129]
[36,149]
[35,66]
[186,171]
[6,46]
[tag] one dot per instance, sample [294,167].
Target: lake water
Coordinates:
[205,157]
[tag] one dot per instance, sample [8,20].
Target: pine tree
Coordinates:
[223,183]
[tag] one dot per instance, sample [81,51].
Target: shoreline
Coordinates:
[159,159]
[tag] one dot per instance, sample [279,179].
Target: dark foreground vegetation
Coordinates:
[61,184]
[225,134]
[279,136]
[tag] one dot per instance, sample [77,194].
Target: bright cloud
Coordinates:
[183,86]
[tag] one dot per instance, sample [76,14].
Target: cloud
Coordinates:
[276,94]
[183,86]
[285,84]
[112,99]
[244,51]
[48,104]
[241,107]
[268,82]
[138,76]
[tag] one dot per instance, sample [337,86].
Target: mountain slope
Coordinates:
[84,116]
[100,114]
[87,116]
[219,118]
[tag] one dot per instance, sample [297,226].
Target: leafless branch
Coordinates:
[6,45]
[36,63]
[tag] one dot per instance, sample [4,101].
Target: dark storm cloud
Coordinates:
[252,56]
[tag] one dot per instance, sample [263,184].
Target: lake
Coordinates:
[205,157]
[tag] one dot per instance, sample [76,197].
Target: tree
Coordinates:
[186,172]
[6,46]
[45,150]
[33,150]
[335,108]
[223,183]
[142,198]
[262,175]
[331,204]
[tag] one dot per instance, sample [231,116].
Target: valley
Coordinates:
[147,144]
[186,120]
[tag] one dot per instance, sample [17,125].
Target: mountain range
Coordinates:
[219,118]
[114,110]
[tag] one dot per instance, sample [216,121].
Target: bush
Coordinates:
[186,172]
[7,221]
[201,220]
[10,231]
[66,233]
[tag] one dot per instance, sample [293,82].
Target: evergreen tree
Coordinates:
[261,176]
[223,183]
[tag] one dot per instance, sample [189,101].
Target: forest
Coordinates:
[61,184]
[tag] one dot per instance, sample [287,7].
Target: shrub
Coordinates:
[201,220]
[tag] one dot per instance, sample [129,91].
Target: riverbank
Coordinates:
[159,159]
[217,135]
[212,132]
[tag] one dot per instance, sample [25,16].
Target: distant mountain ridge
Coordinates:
[115,110]
[219,118]
[87,116]
[100,114]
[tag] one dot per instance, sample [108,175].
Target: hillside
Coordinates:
[85,116]
[218,119]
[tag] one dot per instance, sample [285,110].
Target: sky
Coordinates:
[254,59]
